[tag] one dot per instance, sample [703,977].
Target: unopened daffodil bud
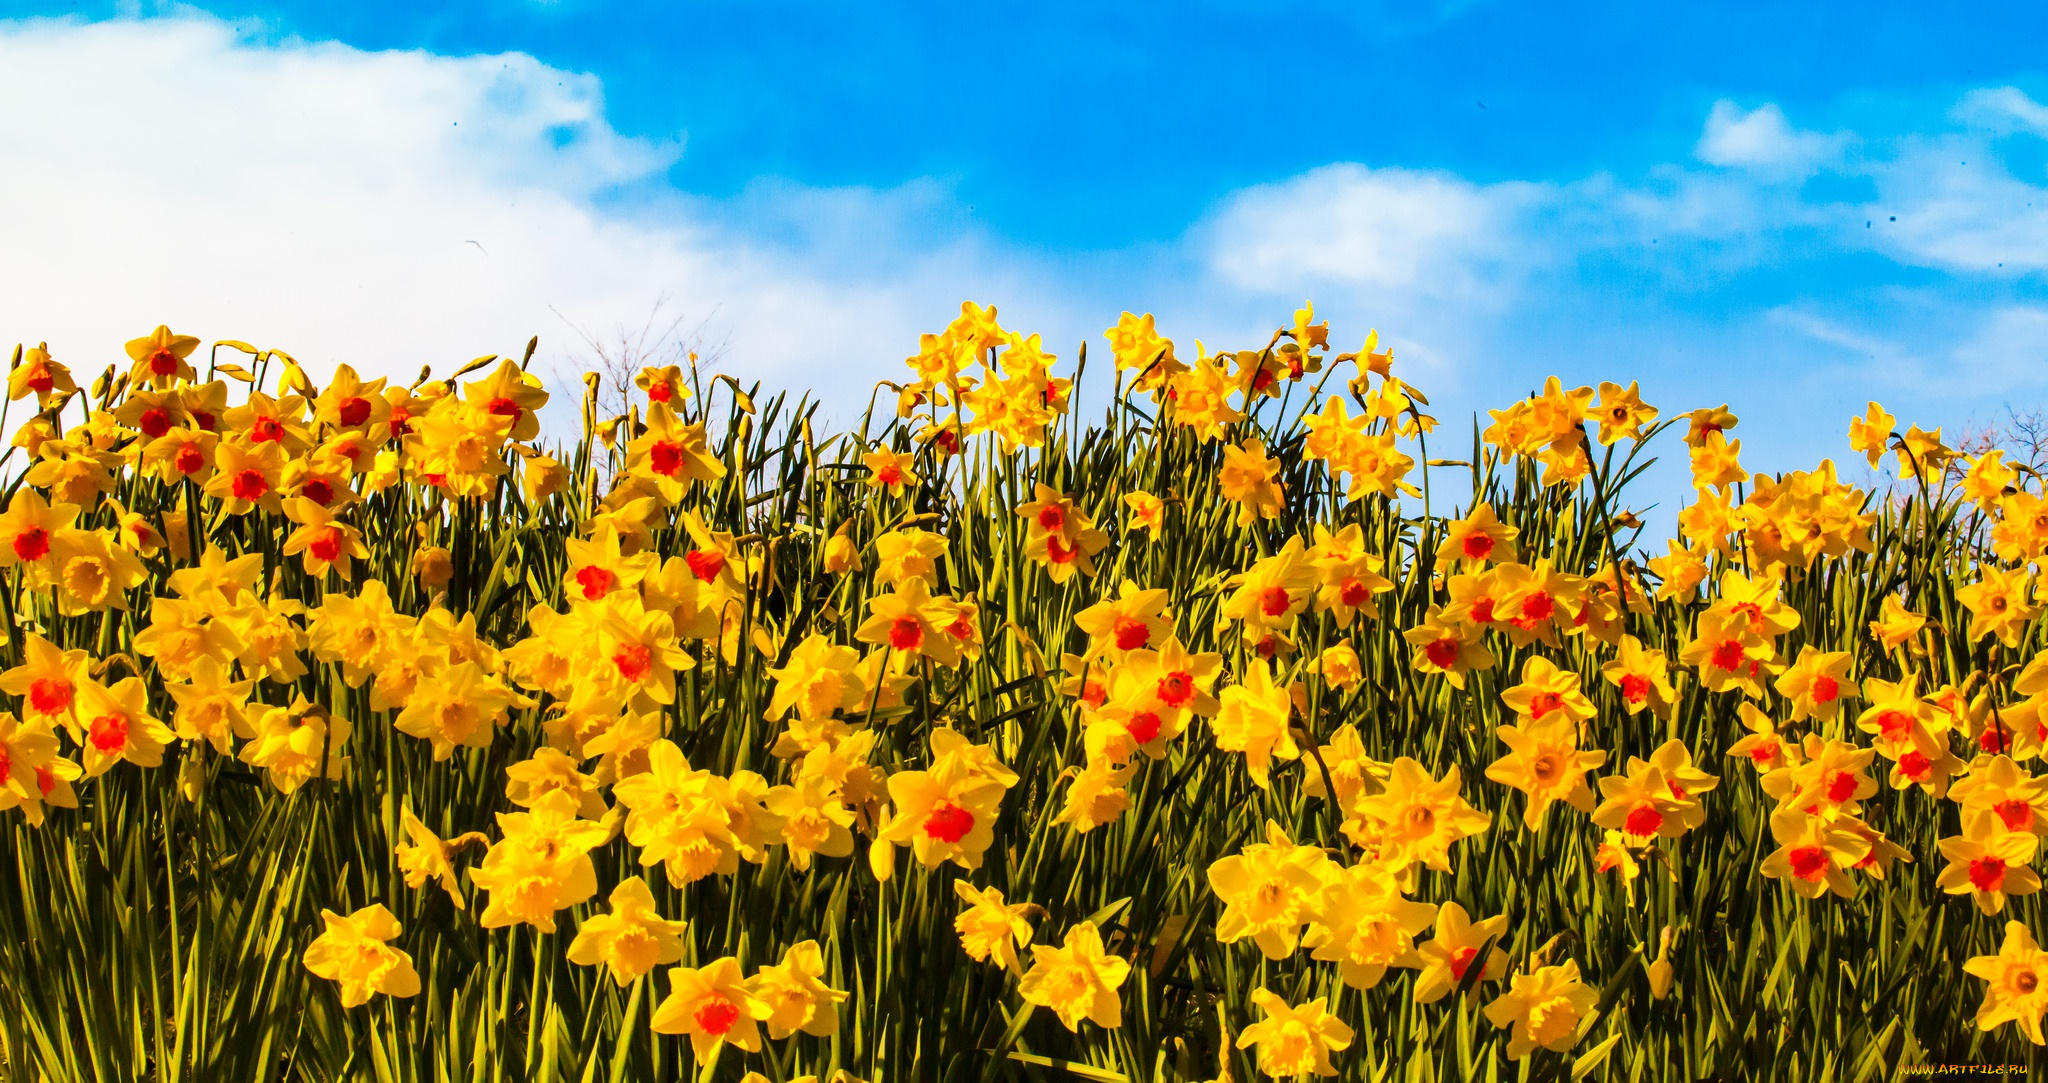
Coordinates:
[1660,970]
[434,566]
[542,477]
[841,556]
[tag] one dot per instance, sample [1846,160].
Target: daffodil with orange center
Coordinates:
[598,565]
[1728,653]
[1831,776]
[1816,684]
[39,374]
[1444,644]
[1814,853]
[1148,512]
[1547,693]
[47,682]
[944,814]
[1762,746]
[1642,676]
[1274,590]
[1479,538]
[1136,619]
[1640,804]
[1989,863]
[511,393]
[160,358]
[1685,781]
[712,1007]
[911,624]
[1059,536]
[1459,946]
[32,775]
[641,648]
[1998,785]
[889,471]
[1349,576]
[30,529]
[118,726]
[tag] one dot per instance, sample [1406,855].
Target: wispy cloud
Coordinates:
[1764,143]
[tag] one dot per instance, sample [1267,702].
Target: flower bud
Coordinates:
[542,477]
[176,538]
[192,777]
[840,554]
[434,566]
[1660,970]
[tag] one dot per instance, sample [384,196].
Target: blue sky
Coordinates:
[1792,208]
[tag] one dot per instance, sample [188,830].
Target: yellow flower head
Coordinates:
[712,1006]
[2018,983]
[356,952]
[990,928]
[796,995]
[1543,1008]
[1268,891]
[1294,1041]
[1077,980]
[630,940]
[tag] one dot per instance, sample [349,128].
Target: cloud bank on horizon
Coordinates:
[393,208]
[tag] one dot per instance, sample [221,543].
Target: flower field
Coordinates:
[1242,723]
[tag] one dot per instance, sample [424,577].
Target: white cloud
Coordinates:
[2003,109]
[1390,232]
[1763,142]
[324,200]
[1958,209]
